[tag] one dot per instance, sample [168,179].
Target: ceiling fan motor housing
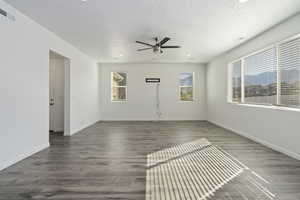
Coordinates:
[157,49]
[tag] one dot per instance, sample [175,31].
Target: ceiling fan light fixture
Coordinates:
[158,46]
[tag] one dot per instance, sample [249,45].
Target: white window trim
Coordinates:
[111,87]
[229,82]
[243,80]
[276,106]
[187,86]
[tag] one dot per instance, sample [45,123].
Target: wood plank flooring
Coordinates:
[108,161]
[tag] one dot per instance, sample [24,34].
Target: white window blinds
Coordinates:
[289,70]
[236,81]
[260,77]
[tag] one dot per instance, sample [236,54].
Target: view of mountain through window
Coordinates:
[269,77]
[261,77]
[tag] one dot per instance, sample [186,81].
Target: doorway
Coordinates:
[58,94]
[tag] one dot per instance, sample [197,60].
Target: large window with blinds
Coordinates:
[268,77]
[260,77]
[289,72]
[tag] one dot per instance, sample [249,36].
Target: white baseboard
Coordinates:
[22,156]
[258,140]
[151,120]
[82,128]
[59,130]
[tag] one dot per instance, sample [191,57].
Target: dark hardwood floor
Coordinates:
[108,161]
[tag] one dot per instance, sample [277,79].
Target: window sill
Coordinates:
[123,101]
[193,101]
[267,107]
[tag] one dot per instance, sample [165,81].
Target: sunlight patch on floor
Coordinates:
[200,170]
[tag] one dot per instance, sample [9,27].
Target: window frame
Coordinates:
[277,105]
[277,83]
[187,86]
[230,81]
[112,86]
[294,37]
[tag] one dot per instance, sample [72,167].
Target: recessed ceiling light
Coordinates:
[243,1]
[121,55]
[84,0]
[188,55]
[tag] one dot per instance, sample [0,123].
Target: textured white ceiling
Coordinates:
[104,29]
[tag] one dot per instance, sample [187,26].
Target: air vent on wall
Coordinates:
[7,15]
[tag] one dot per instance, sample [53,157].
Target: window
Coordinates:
[260,77]
[289,72]
[118,86]
[270,76]
[236,81]
[186,86]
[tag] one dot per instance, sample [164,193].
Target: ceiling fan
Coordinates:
[158,46]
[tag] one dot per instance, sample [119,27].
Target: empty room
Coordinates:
[150,100]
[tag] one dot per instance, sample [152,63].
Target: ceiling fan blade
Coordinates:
[144,49]
[144,43]
[166,39]
[170,47]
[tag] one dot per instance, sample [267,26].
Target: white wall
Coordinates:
[142,97]
[24,86]
[278,129]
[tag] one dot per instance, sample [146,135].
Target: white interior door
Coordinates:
[51,95]
[56,94]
